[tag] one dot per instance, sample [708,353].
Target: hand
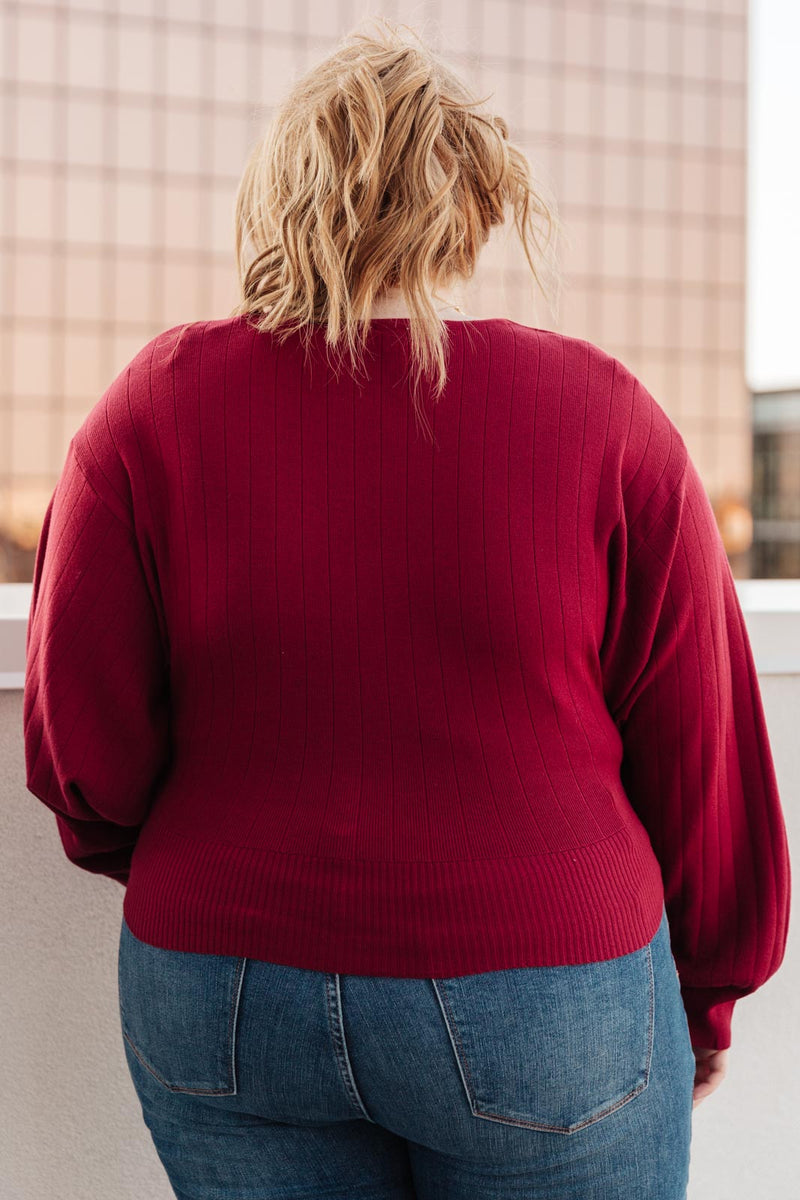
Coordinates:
[711,1066]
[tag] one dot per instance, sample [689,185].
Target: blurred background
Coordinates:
[664,129]
[127,124]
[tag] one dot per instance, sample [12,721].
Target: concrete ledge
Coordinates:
[771,608]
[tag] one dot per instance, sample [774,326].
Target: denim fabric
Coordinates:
[258,1080]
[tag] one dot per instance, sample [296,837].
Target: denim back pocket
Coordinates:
[178,1012]
[552,1048]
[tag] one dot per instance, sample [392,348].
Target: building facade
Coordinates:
[128,124]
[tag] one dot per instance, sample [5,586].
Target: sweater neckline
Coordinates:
[445,320]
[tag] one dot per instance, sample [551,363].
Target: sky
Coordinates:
[773,233]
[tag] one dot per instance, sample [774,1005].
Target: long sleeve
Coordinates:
[95,704]
[697,767]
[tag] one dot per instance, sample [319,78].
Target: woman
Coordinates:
[435,767]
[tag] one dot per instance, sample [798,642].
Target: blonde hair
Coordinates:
[377,171]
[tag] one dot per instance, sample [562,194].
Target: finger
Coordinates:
[701,1091]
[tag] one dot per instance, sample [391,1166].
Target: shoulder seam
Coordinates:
[81,467]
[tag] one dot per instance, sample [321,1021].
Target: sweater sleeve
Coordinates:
[95,702]
[681,684]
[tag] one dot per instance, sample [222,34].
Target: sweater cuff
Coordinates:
[709,1017]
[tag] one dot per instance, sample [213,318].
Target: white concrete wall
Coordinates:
[70,1120]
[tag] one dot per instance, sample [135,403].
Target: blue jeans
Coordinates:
[258,1080]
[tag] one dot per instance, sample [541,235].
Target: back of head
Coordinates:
[379,170]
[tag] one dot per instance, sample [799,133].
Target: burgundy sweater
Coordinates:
[323,693]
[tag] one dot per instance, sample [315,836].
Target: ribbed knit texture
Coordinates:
[324,694]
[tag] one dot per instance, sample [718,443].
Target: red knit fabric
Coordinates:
[323,693]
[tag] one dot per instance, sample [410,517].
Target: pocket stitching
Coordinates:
[498,1118]
[233,1018]
[455,1036]
[228,1090]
